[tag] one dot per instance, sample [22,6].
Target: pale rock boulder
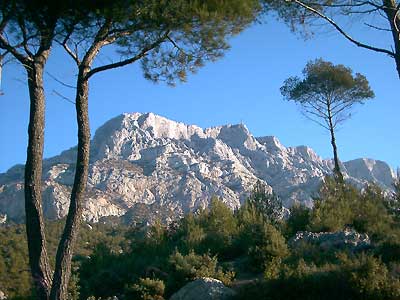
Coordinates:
[204,289]
[345,239]
[3,295]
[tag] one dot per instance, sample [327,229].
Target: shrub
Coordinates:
[268,204]
[333,208]
[340,205]
[260,240]
[370,278]
[220,227]
[146,289]
[185,268]
[299,220]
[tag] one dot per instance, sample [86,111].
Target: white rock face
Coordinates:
[146,159]
[204,289]
[346,239]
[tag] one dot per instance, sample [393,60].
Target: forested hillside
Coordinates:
[346,247]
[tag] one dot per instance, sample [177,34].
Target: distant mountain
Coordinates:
[145,162]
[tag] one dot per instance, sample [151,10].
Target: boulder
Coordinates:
[345,239]
[204,289]
[3,295]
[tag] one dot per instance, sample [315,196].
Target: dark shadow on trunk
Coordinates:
[65,249]
[38,258]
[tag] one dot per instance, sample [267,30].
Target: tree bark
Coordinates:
[390,8]
[65,249]
[336,170]
[38,258]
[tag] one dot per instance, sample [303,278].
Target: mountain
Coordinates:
[145,162]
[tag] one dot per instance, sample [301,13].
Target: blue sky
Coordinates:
[241,87]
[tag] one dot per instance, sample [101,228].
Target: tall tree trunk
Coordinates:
[393,16]
[38,258]
[338,174]
[336,170]
[65,249]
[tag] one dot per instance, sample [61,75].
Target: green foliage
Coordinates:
[15,278]
[185,268]
[358,278]
[299,220]
[154,262]
[101,274]
[322,79]
[326,95]
[340,205]
[260,240]
[267,204]
[370,214]
[220,226]
[191,234]
[332,210]
[370,278]
[146,289]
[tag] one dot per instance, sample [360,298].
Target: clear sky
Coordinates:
[241,87]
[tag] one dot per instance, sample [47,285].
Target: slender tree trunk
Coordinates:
[65,249]
[38,258]
[335,155]
[390,8]
[336,170]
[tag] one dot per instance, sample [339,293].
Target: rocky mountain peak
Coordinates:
[145,160]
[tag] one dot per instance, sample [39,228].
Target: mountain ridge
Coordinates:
[143,158]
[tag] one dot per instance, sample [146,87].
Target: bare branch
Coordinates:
[377,28]
[305,113]
[63,97]
[130,60]
[342,32]
[25,38]
[72,54]
[350,4]
[60,82]
[6,46]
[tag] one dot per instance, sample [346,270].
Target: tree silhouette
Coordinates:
[326,95]
[169,37]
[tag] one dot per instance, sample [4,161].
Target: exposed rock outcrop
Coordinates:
[145,159]
[204,289]
[347,239]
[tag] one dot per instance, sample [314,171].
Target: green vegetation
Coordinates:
[246,245]
[326,94]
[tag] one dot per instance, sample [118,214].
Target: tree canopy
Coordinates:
[169,37]
[367,18]
[326,94]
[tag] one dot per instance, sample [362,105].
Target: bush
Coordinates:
[370,214]
[219,227]
[269,205]
[333,208]
[370,278]
[185,268]
[340,205]
[190,234]
[146,289]
[361,277]
[299,220]
[260,240]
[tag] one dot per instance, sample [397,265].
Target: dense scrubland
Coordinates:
[250,249]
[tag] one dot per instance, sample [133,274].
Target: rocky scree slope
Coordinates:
[147,163]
